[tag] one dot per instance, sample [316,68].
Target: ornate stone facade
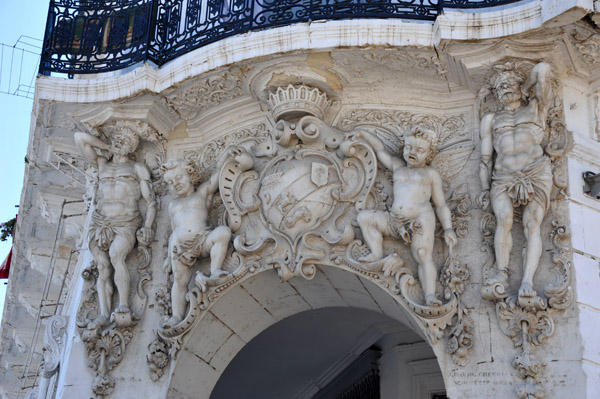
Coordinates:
[436,190]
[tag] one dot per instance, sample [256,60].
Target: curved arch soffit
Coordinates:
[322,351]
[261,300]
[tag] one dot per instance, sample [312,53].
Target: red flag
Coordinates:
[5,267]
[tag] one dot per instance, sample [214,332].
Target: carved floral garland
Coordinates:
[188,101]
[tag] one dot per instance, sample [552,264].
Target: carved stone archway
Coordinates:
[262,301]
[292,199]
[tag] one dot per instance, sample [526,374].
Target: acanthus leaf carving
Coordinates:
[451,130]
[437,318]
[54,343]
[459,202]
[524,325]
[559,293]
[588,45]
[393,61]
[103,352]
[105,345]
[206,156]
[188,101]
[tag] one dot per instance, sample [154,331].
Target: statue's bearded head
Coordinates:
[124,142]
[507,86]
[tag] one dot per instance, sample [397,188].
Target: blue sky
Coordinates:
[24,17]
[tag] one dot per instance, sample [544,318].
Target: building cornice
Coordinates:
[488,23]
[315,36]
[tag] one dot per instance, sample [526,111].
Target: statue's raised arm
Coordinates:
[539,81]
[383,156]
[87,144]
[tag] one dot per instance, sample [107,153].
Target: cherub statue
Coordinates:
[192,237]
[521,174]
[412,218]
[117,221]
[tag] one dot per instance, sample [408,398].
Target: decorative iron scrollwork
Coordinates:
[91,36]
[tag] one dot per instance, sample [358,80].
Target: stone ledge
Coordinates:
[508,20]
[453,25]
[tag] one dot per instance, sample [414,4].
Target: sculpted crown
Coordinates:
[295,101]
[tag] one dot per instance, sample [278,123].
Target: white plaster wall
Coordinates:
[584,213]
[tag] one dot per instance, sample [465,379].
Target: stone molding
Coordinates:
[586,150]
[523,16]
[453,25]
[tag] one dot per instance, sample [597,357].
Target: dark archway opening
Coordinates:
[325,353]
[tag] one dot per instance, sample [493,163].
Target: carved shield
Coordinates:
[319,174]
[296,195]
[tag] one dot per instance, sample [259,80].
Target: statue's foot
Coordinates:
[527,291]
[218,273]
[369,258]
[528,297]
[495,288]
[431,300]
[123,317]
[201,280]
[122,309]
[100,321]
[501,278]
[172,322]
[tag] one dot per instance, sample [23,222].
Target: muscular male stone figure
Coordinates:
[521,174]
[117,220]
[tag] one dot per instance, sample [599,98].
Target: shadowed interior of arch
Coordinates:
[313,353]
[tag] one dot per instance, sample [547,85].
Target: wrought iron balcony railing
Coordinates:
[92,36]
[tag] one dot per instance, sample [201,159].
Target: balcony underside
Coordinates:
[97,36]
